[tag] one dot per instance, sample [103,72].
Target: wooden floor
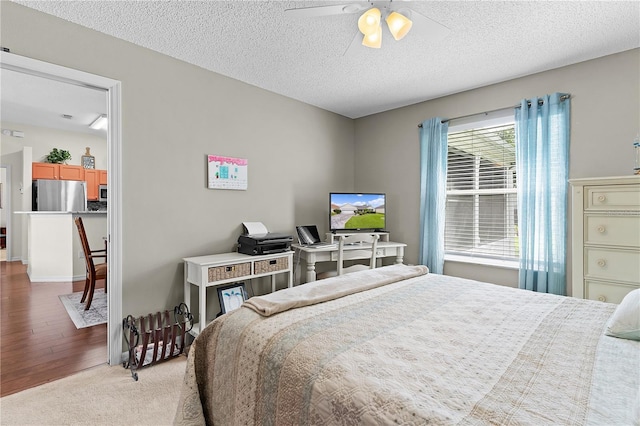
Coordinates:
[38,341]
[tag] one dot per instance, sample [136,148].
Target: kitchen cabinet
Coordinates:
[94,179]
[71,172]
[56,171]
[91,176]
[45,171]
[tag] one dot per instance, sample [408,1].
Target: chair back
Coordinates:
[367,249]
[85,244]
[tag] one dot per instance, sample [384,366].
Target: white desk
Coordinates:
[330,254]
[219,269]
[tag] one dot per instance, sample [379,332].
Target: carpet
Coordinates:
[96,314]
[101,395]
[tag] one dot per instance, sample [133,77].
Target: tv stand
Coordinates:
[332,237]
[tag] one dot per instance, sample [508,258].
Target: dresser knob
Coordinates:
[601,198]
[602,262]
[601,229]
[602,298]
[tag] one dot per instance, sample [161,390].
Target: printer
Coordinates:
[267,243]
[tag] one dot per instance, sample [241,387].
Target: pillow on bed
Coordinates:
[625,321]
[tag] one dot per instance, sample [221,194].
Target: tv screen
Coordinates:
[356,211]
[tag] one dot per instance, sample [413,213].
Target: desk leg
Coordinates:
[290,284]
[400,255]
[203,306]
[273,283]
[187,288]
[311,270]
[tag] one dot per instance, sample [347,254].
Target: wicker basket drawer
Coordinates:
[219,273]
[271,265]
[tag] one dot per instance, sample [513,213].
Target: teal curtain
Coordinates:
[433,186]
[542,164]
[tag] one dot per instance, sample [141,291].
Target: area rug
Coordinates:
[96,314]
[101,395]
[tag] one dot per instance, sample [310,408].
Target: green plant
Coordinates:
[58,156]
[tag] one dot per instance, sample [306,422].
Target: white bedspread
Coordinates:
[426,350]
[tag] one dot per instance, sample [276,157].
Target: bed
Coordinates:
[397,345]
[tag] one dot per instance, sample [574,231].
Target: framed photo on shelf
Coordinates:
[231,297]
[88,160]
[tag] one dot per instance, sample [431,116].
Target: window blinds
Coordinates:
[481,209]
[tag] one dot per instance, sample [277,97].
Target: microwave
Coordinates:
[102,193]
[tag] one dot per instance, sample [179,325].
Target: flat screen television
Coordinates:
[350,211]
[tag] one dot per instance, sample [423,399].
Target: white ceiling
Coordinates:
[29,99]
[304,57]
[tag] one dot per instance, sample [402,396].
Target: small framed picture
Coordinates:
[88,161]
[231,297]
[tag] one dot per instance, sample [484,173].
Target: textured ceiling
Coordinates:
[304,58]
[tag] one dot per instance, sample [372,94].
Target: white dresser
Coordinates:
[606,237]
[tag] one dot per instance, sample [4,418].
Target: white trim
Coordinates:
[488,119]
[114,225]
[114,208]
[500,263]
[53,279]
[7,207]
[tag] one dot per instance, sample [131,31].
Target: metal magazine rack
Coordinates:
[156,337]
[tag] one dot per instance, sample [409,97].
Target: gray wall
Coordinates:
[605,118]
[173,115]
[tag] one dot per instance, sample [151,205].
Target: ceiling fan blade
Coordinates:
[425,28]
[311,12]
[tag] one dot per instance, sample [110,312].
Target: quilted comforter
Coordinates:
[396,345]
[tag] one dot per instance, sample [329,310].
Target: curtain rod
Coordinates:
[540,102]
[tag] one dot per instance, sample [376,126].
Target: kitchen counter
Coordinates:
[54,251]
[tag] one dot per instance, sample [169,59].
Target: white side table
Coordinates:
[219,269]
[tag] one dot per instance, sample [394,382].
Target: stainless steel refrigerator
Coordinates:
[59,195]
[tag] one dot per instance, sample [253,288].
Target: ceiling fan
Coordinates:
[399,20]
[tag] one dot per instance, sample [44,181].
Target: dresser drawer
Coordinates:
[606,291]
[618,197]
[612,264]
[612,230]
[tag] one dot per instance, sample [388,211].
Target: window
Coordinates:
[481,210]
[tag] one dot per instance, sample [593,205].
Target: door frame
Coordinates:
[11,61]
[7,206]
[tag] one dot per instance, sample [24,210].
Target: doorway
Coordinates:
[5,209]
[112,88]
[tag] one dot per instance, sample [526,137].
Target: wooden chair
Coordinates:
[95,271]
[367,249]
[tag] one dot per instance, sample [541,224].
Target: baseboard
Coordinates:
[56,279]
[42,279]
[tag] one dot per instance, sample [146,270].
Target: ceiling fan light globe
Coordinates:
[369,21]
[373,40]
[399,25]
